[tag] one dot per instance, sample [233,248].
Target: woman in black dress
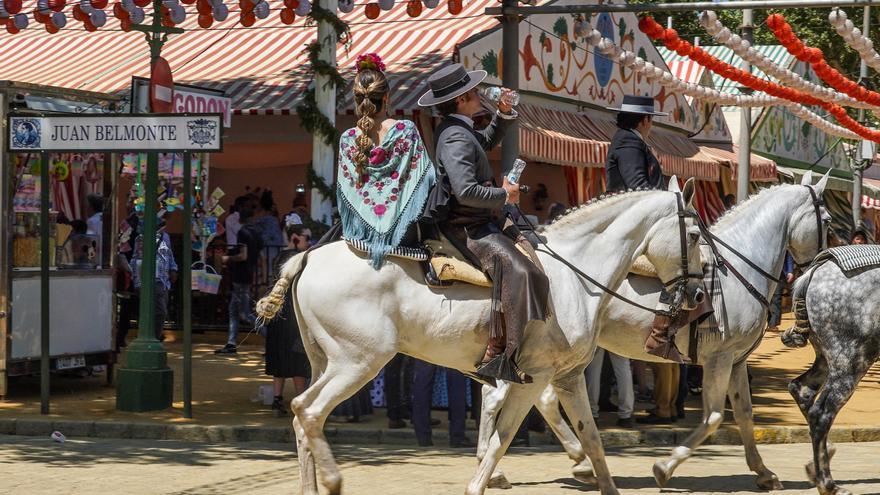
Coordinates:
[285,353]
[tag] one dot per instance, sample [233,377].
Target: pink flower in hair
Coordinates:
[369,61]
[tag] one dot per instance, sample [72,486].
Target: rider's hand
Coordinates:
[503,106]
[789,278]
[512,191]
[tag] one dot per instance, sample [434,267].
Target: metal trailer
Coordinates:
[83,304]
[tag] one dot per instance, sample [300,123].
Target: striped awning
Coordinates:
[760,169]
[260,68]
[871,196]
[581,139]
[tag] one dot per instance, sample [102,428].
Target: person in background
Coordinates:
[166,275]
[266,220]
[285,352]
[666,378]
[625,394]
[556,210]
[859,237]
[423,386]
[729,201]
[242,260]
[95,222]
[775,314]
[233,222]
[394,392]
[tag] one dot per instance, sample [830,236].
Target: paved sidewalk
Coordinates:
[224,387]
[36,466]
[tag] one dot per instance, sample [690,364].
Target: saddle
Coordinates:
[446,261]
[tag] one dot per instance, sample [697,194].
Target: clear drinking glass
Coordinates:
[498,94]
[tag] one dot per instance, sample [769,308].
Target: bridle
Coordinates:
[723,263]
[677,284]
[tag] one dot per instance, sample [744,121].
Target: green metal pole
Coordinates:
[186,284]
[44,282]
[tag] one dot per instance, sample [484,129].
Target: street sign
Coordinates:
[187,99]
[161,87]
[116,132]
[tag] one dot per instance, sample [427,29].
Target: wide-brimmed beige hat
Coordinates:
[449,82]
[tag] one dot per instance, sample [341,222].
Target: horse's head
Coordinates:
[808,225]
[672,246]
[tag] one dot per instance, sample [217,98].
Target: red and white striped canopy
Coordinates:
[578,139]
[261,68]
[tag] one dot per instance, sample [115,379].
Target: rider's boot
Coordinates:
[660,343]
[498,364]
[431,278]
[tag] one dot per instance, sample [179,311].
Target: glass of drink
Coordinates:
[501,95]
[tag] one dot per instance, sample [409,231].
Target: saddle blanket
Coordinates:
[852,258]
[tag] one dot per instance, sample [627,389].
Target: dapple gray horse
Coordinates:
[843,325]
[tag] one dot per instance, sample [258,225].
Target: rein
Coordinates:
[722,262]
[678,282]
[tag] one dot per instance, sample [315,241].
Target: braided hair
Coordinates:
[370,88]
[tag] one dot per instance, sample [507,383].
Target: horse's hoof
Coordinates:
[661,474]
[499,482]
[584,473]
[770,483]
[840,491]
[810,469]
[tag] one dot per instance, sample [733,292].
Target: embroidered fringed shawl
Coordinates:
[394,189]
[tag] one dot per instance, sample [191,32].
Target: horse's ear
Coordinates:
[820,186]
[688,193]
[807,179]
[673,184]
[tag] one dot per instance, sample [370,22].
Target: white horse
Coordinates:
[779,219]
[354,319]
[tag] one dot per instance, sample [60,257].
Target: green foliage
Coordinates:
[560,27]
[550,73]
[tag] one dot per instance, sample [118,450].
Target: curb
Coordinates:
[726,435]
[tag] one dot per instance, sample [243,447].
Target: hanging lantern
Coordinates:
[206,20]
[431,4]
[203,7]
[137,16]
[178,14]
[386,4]
[142,3]
[288,16]
[13,7]
[303,9]
[454,7]
[59,19]
[371,10]
[57,5]
[261,10]
[98,18]
[221,12]
[99,4]
[119,11]
[414,8]
[248,19]
[41,16]
[125,25]
[20,20]
[10,26]
[346,6]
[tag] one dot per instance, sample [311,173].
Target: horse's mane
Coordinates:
[736,211]
[566,217]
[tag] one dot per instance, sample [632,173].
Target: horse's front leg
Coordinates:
[519,401]
[548,406]
[716,379]
[572,392]
[741,400]
[493,399]
[307,473]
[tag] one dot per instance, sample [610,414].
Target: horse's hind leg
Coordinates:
[307,474]
[741,400]
[804,390]
[339,381]
[834,394]
[716,379]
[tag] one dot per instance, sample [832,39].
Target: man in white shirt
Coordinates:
[95,222]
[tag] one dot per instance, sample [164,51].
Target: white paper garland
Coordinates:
[855,38]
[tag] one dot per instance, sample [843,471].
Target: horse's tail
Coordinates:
[268,306]
[798,335]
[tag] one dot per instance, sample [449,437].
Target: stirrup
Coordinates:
[503,368]
[431,278]
[669,351]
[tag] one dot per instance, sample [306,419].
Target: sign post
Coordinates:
[144,380]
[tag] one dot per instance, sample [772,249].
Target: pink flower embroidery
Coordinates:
[394,175]
[400,126]
[393,197]
[380,210]
[377,156]
[351,132]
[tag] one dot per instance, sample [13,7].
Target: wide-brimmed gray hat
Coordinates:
[449,82]
[643,105]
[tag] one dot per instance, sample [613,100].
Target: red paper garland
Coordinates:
[814,56]
[669,37]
